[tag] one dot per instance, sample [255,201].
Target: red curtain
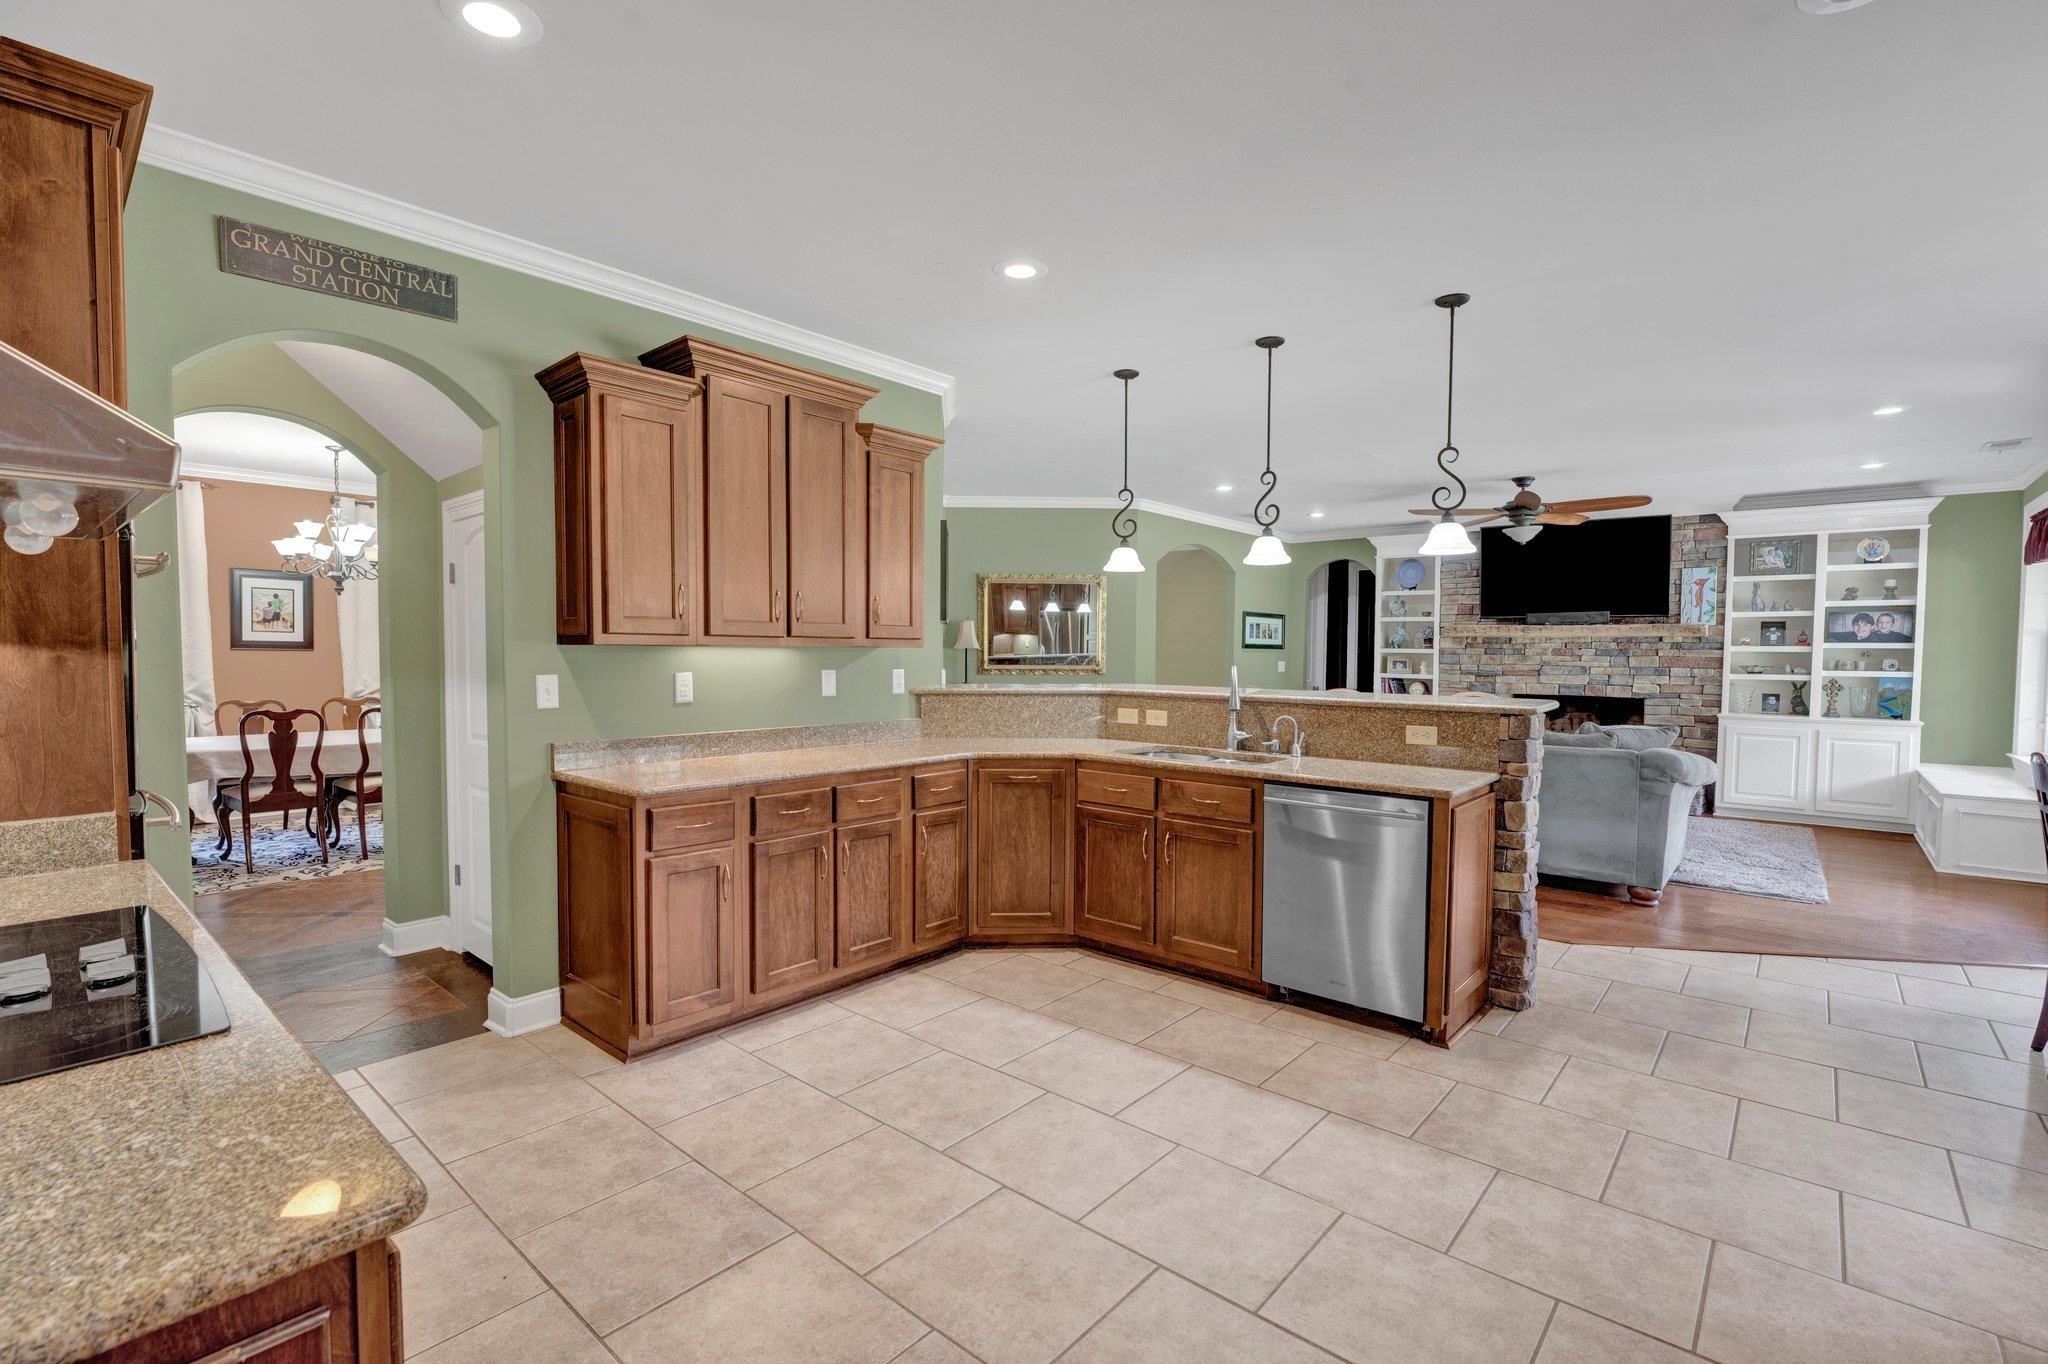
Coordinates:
[2037,538]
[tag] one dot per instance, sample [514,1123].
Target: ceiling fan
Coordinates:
[1527,513]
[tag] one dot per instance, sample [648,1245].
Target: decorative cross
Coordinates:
[1831,689]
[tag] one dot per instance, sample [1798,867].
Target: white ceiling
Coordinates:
[406,410]
[249,447]
[1704,240]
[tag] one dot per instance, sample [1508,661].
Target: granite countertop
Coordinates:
[677,776]
[1479,701]
[141,1190]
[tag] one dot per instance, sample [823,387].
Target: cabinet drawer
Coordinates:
[689,826]
[945,786]
[1206,800]
[1099,787]
[790,811]
[870,799]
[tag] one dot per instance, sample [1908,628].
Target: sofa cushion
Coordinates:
[1635,737]
[1590,737]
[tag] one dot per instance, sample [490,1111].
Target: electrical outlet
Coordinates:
[1281,664]
[896,681]
[1156,717]
[828,681]
[547,692]
[686,688]
[1127,715]
[1424,735]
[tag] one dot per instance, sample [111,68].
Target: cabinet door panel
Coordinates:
[895,547]
[940,901]
[647,467]
[1772,768]
[1863,775]
[1113,877]
[1020,840]
[791,929]
[1205,895]
[692,942]
[827,527]
[746,545]
[874,891]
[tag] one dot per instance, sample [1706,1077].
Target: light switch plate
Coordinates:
[1156,717]
[547,692]
[1281,664]
[1127,715]
[896,681]
[1422,734]
[828,681]
[686,688]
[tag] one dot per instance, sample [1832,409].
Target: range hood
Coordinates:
[72,465]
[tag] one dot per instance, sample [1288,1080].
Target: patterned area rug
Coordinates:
[1753,858]
[281,855]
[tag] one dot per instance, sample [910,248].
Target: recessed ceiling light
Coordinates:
[1315,516]
[1891,411]
[1871,464]
[1223,487]
[503,21]
[1021,268]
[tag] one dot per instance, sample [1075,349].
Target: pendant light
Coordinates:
[1124,559]
[1447,536]
[1267,549]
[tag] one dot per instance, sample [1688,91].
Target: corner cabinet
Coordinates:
[1020,849]
[895,531]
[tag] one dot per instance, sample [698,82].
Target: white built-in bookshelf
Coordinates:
[1406,622]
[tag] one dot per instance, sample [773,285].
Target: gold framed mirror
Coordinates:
[1037,624]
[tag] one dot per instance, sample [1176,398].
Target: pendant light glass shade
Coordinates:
[1447,537]
[1124,559]
[1265,550]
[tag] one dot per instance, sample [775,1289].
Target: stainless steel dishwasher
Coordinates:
[1347,896]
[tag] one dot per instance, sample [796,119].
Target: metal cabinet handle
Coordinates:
[794,810]
[682,600]
[941,790]
[775,608]
[1204,800]
[1022,776]
[1118,790]
[874,608]
[797,608]
[724,881]
[701,824]
[867,800]
[172,817]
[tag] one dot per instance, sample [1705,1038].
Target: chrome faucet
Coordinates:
[1233,736]
[1294,727]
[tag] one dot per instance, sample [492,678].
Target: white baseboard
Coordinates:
[420,935]
[510,1017]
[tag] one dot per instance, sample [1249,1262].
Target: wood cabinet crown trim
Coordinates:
[580,372]
[31,75]
[888,440]
[696,357]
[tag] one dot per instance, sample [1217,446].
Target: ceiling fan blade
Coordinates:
[1483,513]
[1554,517]
[1595,504]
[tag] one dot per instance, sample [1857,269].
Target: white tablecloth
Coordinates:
[213,757]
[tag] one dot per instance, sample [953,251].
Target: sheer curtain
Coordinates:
[361,665]
[195,622]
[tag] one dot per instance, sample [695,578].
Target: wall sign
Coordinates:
[280,257]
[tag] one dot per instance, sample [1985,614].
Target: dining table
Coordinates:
[218,757]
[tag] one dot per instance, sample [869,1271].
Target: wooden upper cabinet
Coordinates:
[895,531]
[784,494]
[629,471]
[1020,848]
[1206,910]
[692,937]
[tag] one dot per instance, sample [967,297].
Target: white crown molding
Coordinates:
[264,477]
[195,156]
[1900,513]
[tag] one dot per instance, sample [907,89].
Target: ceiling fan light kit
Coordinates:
[1267,549]
[1124,559]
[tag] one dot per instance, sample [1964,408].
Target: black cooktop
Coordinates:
[90,987]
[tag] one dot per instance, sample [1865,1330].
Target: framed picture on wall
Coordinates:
[1263,630]
[269,610]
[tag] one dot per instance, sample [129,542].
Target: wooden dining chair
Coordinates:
[2040,766]
[351,710]
[365,787]
[228,714]
[281,790]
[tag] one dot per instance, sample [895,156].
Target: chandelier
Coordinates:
[338,549]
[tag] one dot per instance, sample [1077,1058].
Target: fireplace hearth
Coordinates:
[1577,708]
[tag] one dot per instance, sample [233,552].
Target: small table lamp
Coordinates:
[966,643]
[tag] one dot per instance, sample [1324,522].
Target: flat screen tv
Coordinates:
[1621,566]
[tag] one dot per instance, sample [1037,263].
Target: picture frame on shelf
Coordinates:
[1397,665]
[1773,633]
[1774,703]
[1876,624]
[1775,557]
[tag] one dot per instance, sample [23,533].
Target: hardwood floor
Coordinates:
[1885,903]
[310,949]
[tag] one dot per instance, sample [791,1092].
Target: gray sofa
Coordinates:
[1614,803]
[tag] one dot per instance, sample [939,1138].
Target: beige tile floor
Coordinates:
[1025,1154]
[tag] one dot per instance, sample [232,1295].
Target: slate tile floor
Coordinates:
[1836,1160]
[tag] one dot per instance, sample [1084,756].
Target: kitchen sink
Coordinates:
[1209,757]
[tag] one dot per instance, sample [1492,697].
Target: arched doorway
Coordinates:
[1340,607]
[1196,593]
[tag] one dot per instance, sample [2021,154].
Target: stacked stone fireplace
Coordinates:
[1655,672]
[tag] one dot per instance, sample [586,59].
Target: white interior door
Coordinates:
[466,717]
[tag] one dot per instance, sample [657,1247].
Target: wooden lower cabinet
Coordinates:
[1461,917]
[874,891]
[1021,825]
[939,891]
[790,927]
[692,937]
[1207,896]
[1113,879]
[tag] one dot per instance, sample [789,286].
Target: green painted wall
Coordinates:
[263,378]
[1195,603]
[180,307]
[1972,615]
[1063,540]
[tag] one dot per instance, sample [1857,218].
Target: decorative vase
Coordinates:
[1756,596]
[1891,589]
[1399,608]
[1398,639]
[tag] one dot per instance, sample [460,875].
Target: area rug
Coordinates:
[1753,858]
[281,855]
